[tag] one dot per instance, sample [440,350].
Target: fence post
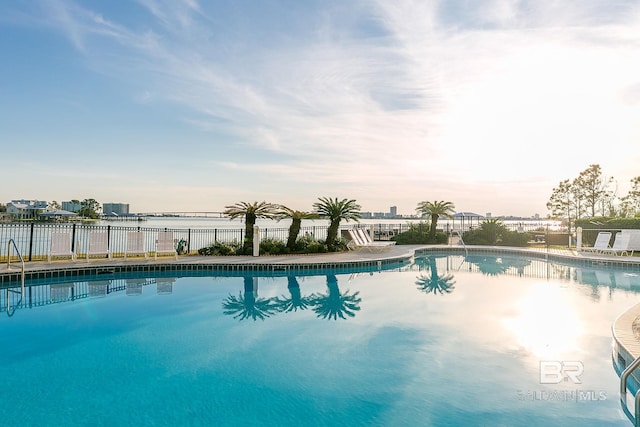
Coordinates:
[578,239]
[188,241]
[30,242]
[73,238]
[256,240]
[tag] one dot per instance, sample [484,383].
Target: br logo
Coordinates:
[554,371]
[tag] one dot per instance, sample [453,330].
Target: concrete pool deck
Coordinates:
[625,329]
[363,256]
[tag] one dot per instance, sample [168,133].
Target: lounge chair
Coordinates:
[601,243]
[61,245]
[352,243]
[620,245]
[135,244]
[360,239]
[165,244]
[98,244]
[634,240]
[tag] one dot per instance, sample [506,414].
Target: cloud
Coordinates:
[387,95]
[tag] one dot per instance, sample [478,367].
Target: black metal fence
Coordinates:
[33,240]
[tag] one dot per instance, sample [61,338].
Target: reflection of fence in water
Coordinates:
[39,295]
[493,265]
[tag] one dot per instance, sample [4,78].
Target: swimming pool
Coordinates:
[446,340]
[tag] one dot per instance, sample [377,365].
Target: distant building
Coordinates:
[26,209]
[488,215]
[366,215]
[72,206]
[115,209]
[393,211]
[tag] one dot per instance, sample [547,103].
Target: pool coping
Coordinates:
[357,258]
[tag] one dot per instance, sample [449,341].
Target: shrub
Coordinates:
[513,238]
[220,248]
[271,246]
[339,245]
[493,232]
[307,244]
[418,234]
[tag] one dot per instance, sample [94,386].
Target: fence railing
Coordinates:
[33,240]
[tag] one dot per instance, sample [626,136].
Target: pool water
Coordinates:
[445,341]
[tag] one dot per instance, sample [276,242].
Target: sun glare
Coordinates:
[545,324]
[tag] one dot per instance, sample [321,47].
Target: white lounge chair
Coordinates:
[634,240]
[601,243]
[98,244]
[620,245]
[135,244]
[61,245]
[165,244]
[352,242]
[360,238]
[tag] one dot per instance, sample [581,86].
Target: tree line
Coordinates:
[593,194]
[331,208]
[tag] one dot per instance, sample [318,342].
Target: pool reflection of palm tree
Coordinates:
[296,301]
[488,265]
[247,305]
[335,304]
[434,282]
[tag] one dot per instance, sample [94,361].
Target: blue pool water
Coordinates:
[444,341]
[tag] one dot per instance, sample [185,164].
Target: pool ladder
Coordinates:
[21,291]
[623,393]
[466,252]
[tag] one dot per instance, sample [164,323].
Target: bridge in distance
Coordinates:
[203,214]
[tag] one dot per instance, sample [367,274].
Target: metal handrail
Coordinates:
[623,390]
[11,241]
[466,252]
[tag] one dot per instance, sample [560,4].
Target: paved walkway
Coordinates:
[362,255]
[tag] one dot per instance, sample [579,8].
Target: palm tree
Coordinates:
[492,230]
[335,211]
[435,210]
[251,212]
[335,304]
[435,283]
[296,222]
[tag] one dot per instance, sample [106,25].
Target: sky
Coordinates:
[193,105]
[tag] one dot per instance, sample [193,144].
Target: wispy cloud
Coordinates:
[412,93]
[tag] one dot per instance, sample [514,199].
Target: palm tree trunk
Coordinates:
[250,221]
[294,230]
[432,230]
[332,232]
